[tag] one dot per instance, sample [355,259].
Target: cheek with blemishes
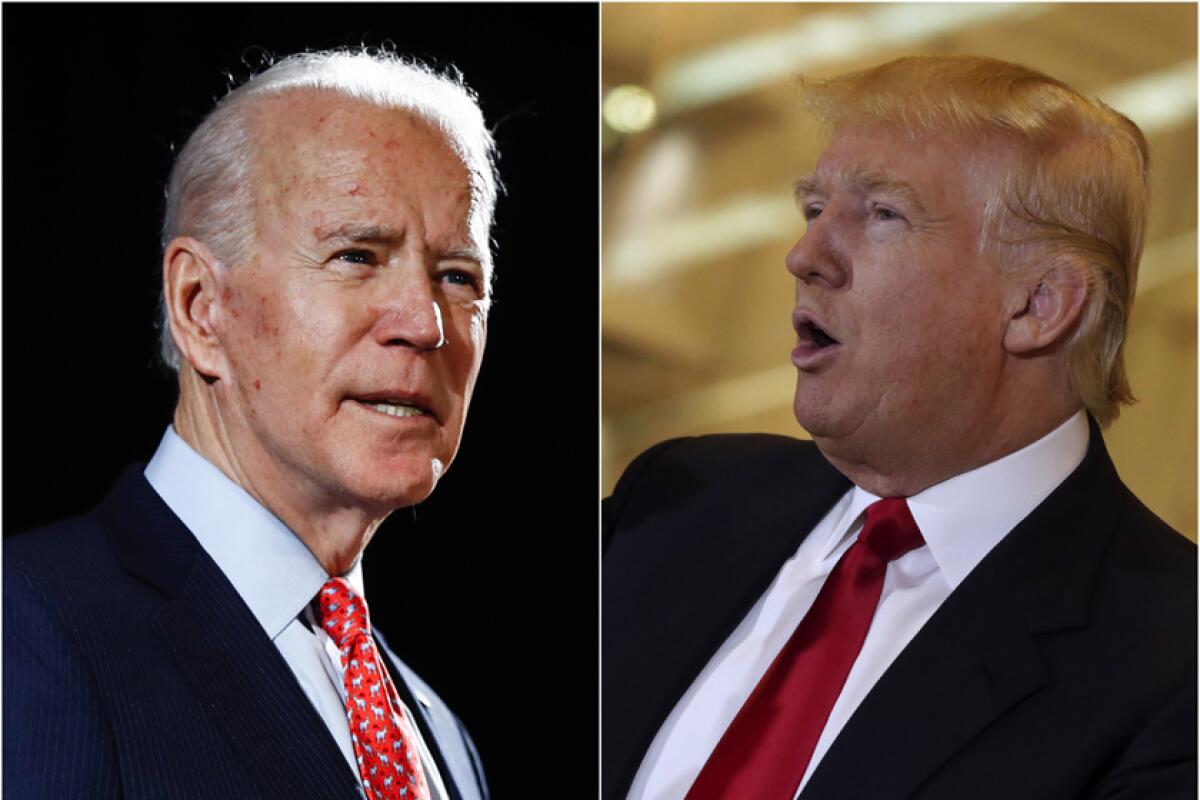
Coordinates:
[268,366]
[266,321]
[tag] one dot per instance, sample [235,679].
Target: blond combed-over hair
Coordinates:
[1074,193]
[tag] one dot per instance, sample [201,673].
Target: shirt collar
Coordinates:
[273,571]
[964,517]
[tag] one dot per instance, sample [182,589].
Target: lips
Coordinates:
[811,330]
[815,345]
[399,404]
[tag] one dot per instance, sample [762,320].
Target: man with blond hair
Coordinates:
[204,633]
[951,594]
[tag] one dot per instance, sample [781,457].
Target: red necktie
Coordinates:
[385,744]
[766,749]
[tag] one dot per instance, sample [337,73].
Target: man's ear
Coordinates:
[191,283]
[1043,311]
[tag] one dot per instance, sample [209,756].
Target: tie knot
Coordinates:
[343,613]
[890,531]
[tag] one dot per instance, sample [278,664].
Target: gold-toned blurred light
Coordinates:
[629,109]
[747,63]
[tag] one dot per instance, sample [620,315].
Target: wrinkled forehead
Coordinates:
[304,134]
[310,144]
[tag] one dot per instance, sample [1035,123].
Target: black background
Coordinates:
[496,574]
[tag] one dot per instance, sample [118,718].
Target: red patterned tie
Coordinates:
[766,749]
[385,744]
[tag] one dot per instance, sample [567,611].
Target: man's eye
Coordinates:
[885,214]
[811,212]
[458,277]
[356,257]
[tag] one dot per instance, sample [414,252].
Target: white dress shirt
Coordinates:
[276,575]
[961,519]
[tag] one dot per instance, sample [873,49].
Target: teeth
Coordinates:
[398,410]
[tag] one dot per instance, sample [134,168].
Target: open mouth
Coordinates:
[813,335]
[394,407]
[815,346]
[398,409]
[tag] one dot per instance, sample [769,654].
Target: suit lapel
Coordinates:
[732,556]
[978,656]
[438,728]
[235,670]
[945,688]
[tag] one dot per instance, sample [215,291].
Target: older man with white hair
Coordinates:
[204,632]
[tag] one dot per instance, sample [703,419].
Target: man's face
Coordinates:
[900,319]
[354,334]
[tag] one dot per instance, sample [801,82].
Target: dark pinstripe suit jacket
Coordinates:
[133,669]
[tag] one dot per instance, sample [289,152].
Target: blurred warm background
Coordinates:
[702,141]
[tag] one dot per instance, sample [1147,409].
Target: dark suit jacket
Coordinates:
[132,668]
[1062,667]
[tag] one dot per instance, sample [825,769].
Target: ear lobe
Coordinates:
[191,282]
[1050,310]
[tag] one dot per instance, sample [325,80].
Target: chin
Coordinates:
[835,434]
[813,416]
[397,486]
[832,412]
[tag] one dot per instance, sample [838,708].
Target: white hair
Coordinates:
[210,194]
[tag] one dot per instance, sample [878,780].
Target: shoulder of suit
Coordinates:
[1158,560]
[729,457]
[57,579]
[64,579]
[61,550]
[78,545]
[702,474]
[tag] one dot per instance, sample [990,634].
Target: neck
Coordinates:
[919,458]
[335,531]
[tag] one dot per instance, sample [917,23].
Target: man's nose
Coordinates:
[410,315]
[818,258]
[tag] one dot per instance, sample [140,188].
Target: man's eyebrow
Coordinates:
[873,181]
[867,180]
[462,254]
[355,233]
[805,186]
[361,234]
